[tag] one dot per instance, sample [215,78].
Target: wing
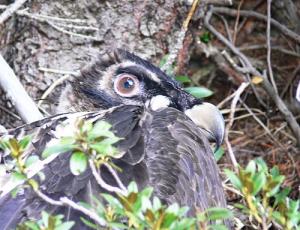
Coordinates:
[180,162]
[59,179]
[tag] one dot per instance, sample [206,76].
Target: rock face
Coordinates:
[30,42]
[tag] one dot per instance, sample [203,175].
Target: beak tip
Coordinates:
[209,118]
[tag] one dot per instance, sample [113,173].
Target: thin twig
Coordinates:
[245,13]
[269,47]
[59,71]
[102,183]
[72,33]
[24,105]
[47,198]
[239,91]
[262,125]
[10,113]
[266,84]
[52,87]
[237,22]
[65,201]
[275,48]
[115,175]
[82,209]
[10,10]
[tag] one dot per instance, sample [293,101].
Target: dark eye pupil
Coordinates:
[129,83]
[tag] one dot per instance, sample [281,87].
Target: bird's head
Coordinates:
[121,77]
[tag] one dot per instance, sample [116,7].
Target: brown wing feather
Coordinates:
[180,161]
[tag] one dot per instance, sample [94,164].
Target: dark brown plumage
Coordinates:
[161,146]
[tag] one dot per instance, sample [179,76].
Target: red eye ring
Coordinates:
[126,85]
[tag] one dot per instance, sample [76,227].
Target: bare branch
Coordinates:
[269,47]
[102,183]
[10,10]
[65,201]
[237,95]
[82,209]
[266,84]
[245,13]
[17,94]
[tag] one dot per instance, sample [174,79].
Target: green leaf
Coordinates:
[280,197]
[278,217]
[183,79]
[261,164]
[217,227]
[259,180]
[251,167]
[233,179]
[173,208]
[156,203]
[45,218]
[78,163]
[15,192]
[275,185]
[88,223]
[118,226]
[132,187]
[101,129]
[104,149]
[57,149]
[25,141]
[4,144]
[67,140]
[199,92]
[114,202]
[65,226]
[216,213]
[31,160]
[205,37]
[17,177]
[14,147]
[219,153]
[32,225]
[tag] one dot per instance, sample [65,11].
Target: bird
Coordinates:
[166,134]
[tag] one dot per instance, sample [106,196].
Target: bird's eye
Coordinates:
[126,85]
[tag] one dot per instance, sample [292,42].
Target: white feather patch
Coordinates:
[158,102]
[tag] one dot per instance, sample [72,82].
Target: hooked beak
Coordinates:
[210,120]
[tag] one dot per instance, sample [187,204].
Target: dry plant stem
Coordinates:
[262,125]
[82,209]
[92,38]
[10,10]
[64,201]
[269,47]
[102,183]
[237,22]
[115,175]
[173,54]
[231,12]
[275,48]
[52,87]
[266,84]
[17,94]
[59,71]
[30,172]
[10,112]
[239,91]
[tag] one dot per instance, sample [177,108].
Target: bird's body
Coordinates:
[161,146]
